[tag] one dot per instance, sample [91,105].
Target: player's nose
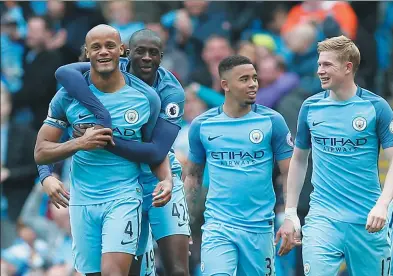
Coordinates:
[146,58]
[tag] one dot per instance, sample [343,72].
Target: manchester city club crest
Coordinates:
[290,140]
[131,116]
[256,136]
[359,123]
[307,268]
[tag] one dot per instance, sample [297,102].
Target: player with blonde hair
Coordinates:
[345,125]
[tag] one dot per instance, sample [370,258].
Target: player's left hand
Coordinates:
[162,193]
[290,238]
[377,218]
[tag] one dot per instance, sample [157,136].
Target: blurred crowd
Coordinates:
[279,37]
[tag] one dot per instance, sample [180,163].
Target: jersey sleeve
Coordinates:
[303,135]
[384,124]
[282,143]
[172,105]
[57,110]
[71,77]
[155,106]
[197,153]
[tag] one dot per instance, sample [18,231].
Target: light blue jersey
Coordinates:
[172,98]
[240,154]
[99,176]
[345,137]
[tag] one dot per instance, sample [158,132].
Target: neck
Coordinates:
[108,83]
[345,92]
[235,110]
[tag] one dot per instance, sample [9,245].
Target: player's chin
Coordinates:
[106,69]
[250,101]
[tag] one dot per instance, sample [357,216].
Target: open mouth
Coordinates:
[104,60]
[252,93]
[324,79]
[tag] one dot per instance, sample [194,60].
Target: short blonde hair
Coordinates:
[345,49]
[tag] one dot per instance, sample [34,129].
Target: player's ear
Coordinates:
[122,49]
[349,68]
[161,55]
[224,85]
[87,53]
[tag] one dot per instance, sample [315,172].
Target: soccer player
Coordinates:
[345,125]
[239,141]
[106,197]
[169,224]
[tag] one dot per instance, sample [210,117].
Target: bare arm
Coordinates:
[163,170]
[283,165]
[192,182]
[387,193]
[377,217]
[48,150]
[296,176]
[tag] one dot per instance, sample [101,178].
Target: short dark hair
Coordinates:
[232,61]
[144,33]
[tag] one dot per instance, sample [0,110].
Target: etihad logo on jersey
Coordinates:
[237,158]
[333,144]
[125,132]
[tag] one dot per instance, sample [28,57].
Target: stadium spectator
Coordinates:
[40,63]
[18,169]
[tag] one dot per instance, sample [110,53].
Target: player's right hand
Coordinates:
[162,194]
[80,129]
[95,138]
[56,191]
[290,237]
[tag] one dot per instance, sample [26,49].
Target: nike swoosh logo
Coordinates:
[83,116]
[181,224]
[212,138]
[149,274]
[124,243]
[315,124]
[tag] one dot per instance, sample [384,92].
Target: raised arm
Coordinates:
[71,77]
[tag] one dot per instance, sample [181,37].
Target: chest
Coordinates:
[350,125]
[237,136]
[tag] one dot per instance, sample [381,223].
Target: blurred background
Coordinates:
[279,37]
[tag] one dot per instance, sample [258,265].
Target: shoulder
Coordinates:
[167,82]
[265,111]
[140,86]
[211,113]
[373,98]
[315,98]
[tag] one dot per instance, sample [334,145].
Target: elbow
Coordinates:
[60,72]
[39,157]
[157,157]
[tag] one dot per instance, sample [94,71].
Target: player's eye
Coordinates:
[154,53]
